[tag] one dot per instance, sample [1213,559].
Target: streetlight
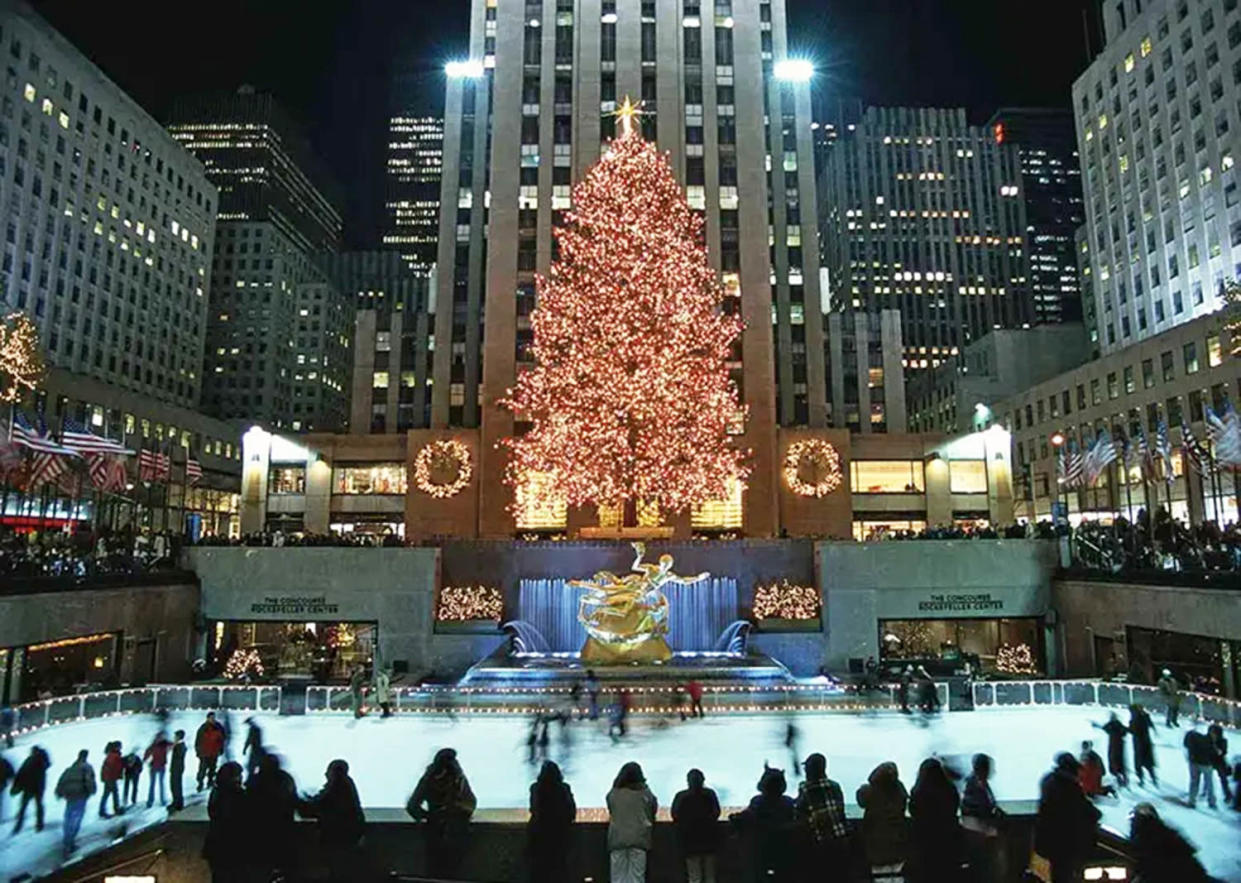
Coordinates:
[469,69]
[1057,442]
[794,70]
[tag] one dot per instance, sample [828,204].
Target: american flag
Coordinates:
[76,436]
[39,440]
[193,471]
[107,472]
[1164,450]
[10,454]
[1077,464]
[1145,458]
[45,468]
[153,466]
[1195,454]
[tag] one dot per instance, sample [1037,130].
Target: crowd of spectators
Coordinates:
[1163,543]
[84,554]
[946,826]
[280,538]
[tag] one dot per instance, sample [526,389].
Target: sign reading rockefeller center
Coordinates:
[295,605]
[960,603]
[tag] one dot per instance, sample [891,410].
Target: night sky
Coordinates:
[332,62]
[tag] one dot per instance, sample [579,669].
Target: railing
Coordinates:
[1105,693]
[139,700]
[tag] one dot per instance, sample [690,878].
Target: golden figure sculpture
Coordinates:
[626,617]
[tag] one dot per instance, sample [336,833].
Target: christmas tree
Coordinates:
[629,398]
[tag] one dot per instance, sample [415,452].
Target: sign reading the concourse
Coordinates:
[295,605]
[961,603]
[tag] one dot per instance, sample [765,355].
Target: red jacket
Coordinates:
[157,753]
[112,768]
[695,690]
[210,740]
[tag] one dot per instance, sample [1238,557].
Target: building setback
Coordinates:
[415,162]
[279,332]
[528,119]
[392,339]
[924,214]
[109,223]
[1157,123]
[1052,191]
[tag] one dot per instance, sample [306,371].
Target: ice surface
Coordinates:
[387,756]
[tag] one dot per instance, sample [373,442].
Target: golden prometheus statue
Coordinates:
[626,617]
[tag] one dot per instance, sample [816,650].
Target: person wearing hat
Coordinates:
[1170,690]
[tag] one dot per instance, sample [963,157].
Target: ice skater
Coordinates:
[157,755]
[1201,757]
[176,770]
[383,691]
[8,718]
[30,782]
[356,682]
[902,688]
[1219,745]
[1116,732]
[75,787]
[133,772]
[928,695]
[1140,727]
[592,693]
[252,748]
[1170,690]
[110,773]
[695,699]
[1090,773]
[791,736]
[208,745]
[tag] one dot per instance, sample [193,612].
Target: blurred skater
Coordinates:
[1116,765]
[1140,727]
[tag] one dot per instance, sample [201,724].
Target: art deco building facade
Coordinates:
[412,188]
[1157,125]
[109,223]
[529,116]
[279,332]
[924,214]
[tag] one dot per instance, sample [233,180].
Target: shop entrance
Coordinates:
[319,652]
[1206,665]
[66,666]
[943,646]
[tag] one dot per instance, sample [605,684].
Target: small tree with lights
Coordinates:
[630,397]
[21,363]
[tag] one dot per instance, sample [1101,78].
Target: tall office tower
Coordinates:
[1157,124]
[279,332]
[412,187]
[392,339]
[109,222]
[527,114]
[923,213]
[1052,188]
[263,166]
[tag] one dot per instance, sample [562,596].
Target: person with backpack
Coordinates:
[75,787]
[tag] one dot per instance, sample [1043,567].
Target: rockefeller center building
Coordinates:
[529,108]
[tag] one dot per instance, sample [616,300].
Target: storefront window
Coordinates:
[887,476]
[866,531]
[286,480]
[377,478]
[298,651]
[368,531]
[1009,646]
[967,476]
[58,668]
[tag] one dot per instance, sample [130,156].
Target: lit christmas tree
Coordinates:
[630,398]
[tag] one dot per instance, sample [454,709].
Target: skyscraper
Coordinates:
[1157,124]
[279,332]
[924,213]
[109,223]
[1052,191]
[527,112]
[263,166]
[415,160]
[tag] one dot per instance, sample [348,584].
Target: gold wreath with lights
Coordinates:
[822,457]
[443,455]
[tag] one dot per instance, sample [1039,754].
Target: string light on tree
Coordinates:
[21,364]
[1015,660]
[443,468]
[630,396]
[243,665]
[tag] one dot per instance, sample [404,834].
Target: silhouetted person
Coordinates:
[552,811]
[983,821]
[75,787]
[1160,852]
[176,770]
[252,748]
[820,808]
[695,815]
[770,817]
[1219,747]
[341,821]
[1140,728]
[226,847]
[1116,732]
[933,805]
[273,795]
[30,782]
[884,835]
[631,819]
[1201,756]
[443,800]
[1065,828]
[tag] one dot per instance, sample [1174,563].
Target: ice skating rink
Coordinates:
[387,756]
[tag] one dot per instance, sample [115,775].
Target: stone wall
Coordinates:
[163,613]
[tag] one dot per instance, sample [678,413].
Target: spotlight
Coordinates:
[464,70]
[794,70]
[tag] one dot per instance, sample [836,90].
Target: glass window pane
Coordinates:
[887,476]
[967,476]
